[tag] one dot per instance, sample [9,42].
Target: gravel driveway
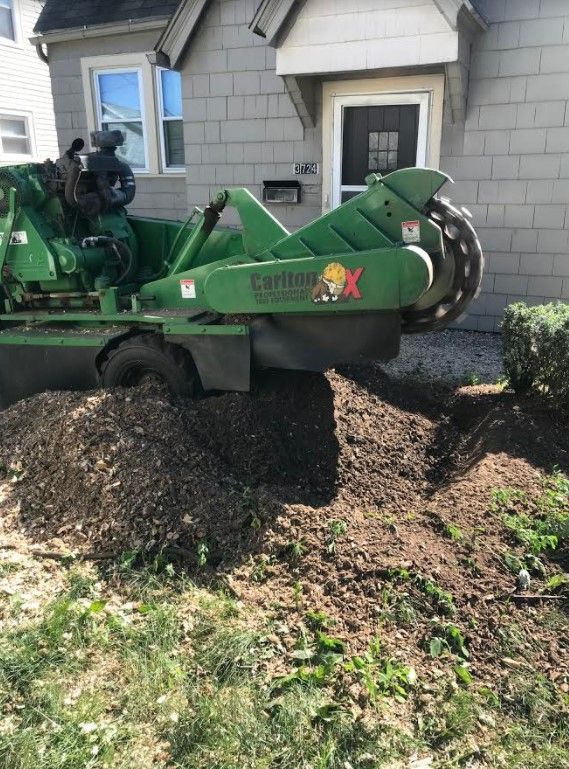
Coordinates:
[450,356]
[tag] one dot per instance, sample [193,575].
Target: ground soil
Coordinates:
[253,482]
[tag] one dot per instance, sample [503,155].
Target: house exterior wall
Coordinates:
[24,83]
[241,127]
[510,160]
[161,195]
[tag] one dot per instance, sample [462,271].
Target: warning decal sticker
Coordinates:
[411,232]
[17,238]
[188,288]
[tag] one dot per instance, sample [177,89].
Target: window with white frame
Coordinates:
[7,26]
[169,89]
[15,136]
[126,92]
[120,106]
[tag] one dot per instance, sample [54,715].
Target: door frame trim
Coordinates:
[425,90]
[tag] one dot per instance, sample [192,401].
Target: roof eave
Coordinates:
[100,30]
[181,27]
[270,18]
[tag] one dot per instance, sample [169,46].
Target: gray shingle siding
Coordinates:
[241,127]
[511,158]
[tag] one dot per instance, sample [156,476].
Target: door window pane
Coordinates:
[170,90]
[7,20]
[382,150]
[14,136]
[120,109]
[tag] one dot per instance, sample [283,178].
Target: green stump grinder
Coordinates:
[93,296]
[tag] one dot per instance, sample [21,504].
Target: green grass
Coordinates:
[142,669]
[134,667]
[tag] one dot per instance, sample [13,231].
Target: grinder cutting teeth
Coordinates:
[461,259]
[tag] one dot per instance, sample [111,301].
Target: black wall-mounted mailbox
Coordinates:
[284,191]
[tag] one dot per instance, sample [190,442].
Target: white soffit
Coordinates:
[330,36]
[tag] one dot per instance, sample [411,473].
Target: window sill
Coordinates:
[10,43]
[164,174]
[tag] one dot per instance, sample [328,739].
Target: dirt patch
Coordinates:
[257,483]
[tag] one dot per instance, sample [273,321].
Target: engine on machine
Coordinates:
[72,213]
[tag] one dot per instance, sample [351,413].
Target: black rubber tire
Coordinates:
[148,355]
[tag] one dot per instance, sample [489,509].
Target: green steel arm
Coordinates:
[260,228]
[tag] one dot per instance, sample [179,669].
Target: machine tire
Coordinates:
[149,355]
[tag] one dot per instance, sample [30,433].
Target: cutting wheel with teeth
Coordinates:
[462,248]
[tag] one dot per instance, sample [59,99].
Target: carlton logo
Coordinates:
[337,284]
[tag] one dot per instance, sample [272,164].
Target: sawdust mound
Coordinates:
[260,477]
[127,469]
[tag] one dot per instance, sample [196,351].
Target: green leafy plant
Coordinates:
[316,656]
[390,523]
[260,571]
[296,549]
[454,532]
[539,523]
[531,533]
[318,619]
[558,582]
[515,563]
[297,594]
[463,674]
[472,379]
[336,529]
[442,600]
[447,639]
[505,499]
[202,553]
[382,677]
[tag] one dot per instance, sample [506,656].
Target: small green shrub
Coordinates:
[536,349]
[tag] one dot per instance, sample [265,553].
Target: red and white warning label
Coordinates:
[411,232]
[188,288]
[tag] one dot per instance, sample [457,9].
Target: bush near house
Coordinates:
[536,349]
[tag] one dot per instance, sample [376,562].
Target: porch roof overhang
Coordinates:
[312,41]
